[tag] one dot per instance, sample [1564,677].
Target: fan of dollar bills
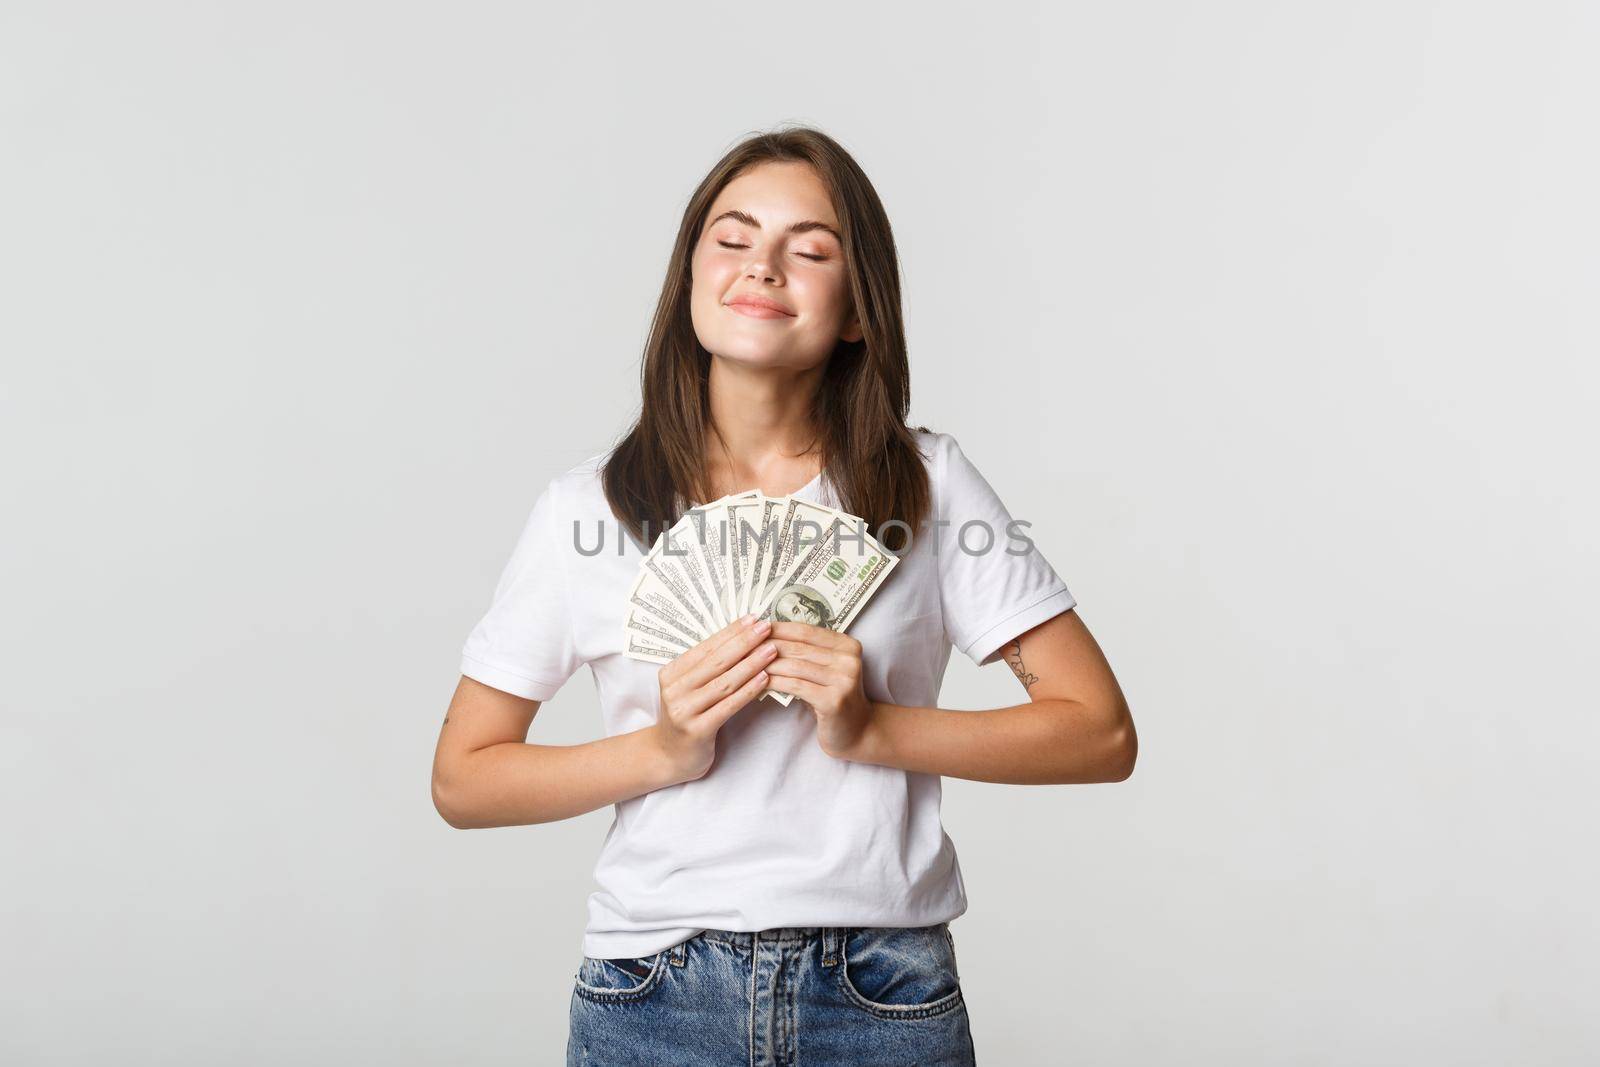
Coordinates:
[777,557]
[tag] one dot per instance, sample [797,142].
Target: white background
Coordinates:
[1276,320]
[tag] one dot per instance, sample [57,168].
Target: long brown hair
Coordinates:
[860,408]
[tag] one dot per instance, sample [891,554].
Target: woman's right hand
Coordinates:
[701,690]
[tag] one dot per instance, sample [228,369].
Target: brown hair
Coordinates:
[860,408]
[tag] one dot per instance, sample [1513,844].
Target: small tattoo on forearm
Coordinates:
[1013,656]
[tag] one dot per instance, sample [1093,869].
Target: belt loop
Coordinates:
[678,951]
[830,941]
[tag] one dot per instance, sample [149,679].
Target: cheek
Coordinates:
[709,280]
[714,272]
[824,296]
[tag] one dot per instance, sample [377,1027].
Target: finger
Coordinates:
[674,670]
[729,682]
[716,686]
[807,670]
[801,650]
[724,709]
[723,655]
[820,636]
[686,663]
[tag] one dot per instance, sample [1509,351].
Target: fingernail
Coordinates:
[747,620]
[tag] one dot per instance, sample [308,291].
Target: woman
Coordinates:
[776,877]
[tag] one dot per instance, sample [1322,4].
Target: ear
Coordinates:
[852,329]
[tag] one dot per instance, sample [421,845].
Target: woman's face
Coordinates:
[747,247]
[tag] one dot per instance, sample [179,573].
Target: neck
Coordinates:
[761,423]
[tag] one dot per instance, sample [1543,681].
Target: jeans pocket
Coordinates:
[620,979]
[896,972]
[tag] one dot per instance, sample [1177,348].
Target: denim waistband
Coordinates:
[828,935]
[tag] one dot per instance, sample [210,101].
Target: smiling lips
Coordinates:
[759,307]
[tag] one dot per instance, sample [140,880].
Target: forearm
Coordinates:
[1042,742]
[516,784]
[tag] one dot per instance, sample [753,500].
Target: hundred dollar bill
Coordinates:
[710,526]
[677,561]
[702,530]
[766,567]
[751,529]
[650,594]
[734,548]
[831,582]
[637,646]
[796,526]
[666,575]
[673,603]
[765,538]
[651,628]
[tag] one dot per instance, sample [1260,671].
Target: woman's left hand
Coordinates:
[823,668]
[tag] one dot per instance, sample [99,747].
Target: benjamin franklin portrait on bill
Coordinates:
[801,603]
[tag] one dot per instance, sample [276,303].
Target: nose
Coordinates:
[760,266]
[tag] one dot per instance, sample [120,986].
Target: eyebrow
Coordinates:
[800,227]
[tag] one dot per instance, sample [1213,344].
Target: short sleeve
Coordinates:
[994,583]
[525,643]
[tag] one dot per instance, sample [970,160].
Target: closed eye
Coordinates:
[806,255]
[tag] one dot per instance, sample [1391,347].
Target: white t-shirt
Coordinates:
[777,832]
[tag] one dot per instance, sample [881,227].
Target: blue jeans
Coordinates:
[808,996]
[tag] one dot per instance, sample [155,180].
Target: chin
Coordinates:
[751,355]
